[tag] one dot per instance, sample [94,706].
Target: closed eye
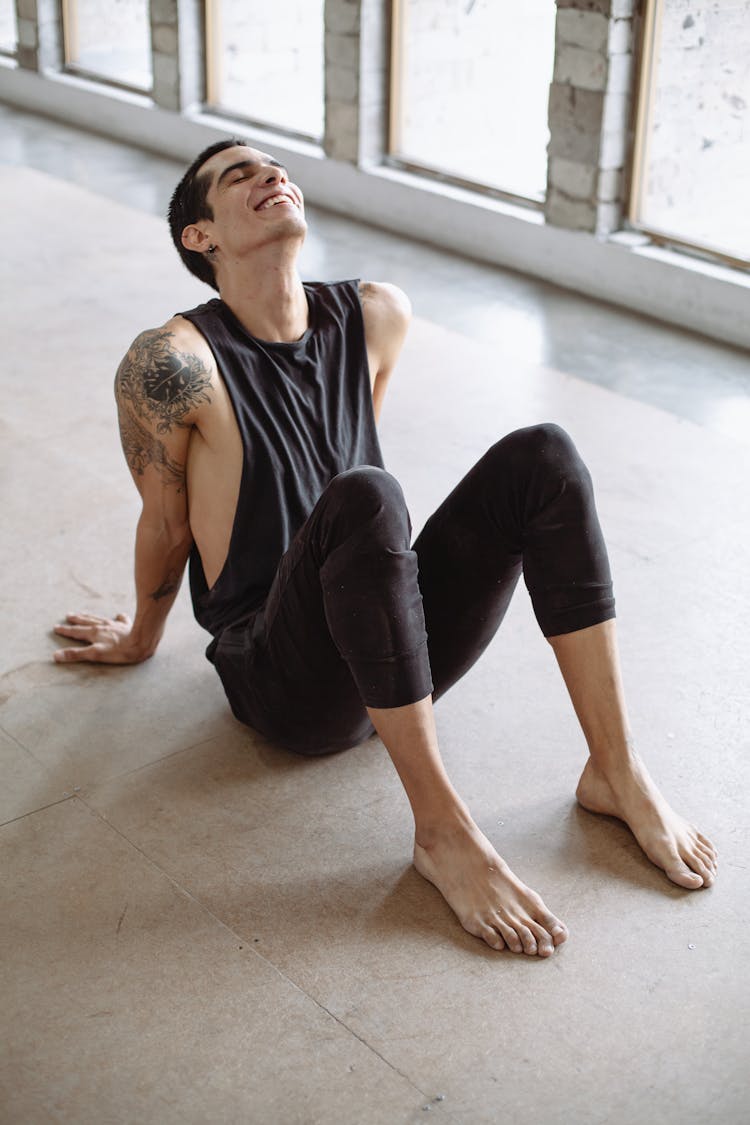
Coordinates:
[247,170]
[249,167]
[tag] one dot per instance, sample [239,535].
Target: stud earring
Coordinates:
[212,249]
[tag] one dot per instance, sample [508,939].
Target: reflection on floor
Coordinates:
[199,927]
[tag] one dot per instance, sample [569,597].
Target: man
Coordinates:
[248,425]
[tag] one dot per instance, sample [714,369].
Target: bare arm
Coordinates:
[387,312]
[160,389]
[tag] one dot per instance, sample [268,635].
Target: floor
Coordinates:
[197,926]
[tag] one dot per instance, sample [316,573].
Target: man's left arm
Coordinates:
[387,312]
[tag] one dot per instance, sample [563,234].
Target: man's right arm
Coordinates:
[160,388]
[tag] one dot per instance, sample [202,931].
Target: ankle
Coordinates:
[614,758]
[441,824]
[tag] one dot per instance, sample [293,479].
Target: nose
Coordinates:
[275,175]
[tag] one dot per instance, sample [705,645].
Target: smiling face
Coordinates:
[252,201]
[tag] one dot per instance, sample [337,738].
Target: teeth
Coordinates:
[273,201]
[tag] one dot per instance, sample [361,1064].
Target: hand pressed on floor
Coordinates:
[106,640]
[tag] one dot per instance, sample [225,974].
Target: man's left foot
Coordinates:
[688,858]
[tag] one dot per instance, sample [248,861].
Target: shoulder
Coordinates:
[166,373]
[384,302]
[177,336]
[386,311]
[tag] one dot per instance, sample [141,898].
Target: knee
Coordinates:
[367,502]
[367,489]
[549,449]
[546,441]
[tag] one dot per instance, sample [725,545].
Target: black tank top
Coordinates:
[304,412]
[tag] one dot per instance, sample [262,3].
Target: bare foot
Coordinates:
[688,858]
[488,899]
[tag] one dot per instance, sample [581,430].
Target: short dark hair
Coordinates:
[189,205]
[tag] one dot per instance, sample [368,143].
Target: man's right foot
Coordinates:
[488,899]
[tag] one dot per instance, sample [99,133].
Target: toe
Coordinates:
[707,845]
[703,869]
[510,936]
[487,934]
[492,937]
[681,874]
[707,858]
[554,927]
[528,941]
[544,944]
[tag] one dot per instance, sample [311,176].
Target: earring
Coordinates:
[212,249]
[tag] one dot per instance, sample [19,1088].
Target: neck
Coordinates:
[267,299]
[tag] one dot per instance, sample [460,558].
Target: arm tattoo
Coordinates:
[142,449]
[160,382]
[170,585]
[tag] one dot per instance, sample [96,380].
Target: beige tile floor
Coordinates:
[197,926]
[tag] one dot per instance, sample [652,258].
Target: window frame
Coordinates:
[69,12]
[11,52]
[391,158]
[213,82]
[651,31]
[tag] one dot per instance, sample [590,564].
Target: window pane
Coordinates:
[112,40]
[268,62]
[8,28]
[474,88]
[696,181]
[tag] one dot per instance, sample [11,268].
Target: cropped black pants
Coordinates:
[358,617]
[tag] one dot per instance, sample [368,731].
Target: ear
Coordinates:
[196,238]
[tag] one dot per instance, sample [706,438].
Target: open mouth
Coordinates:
[274,201]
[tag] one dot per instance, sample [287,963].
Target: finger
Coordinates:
[76,632]
[74,655]
[124,618]
[84,619]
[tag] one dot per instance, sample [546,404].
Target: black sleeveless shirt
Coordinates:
[304,411]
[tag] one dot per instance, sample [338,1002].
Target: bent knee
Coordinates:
[547,447]
[366,502]
[367,487]
[546,439]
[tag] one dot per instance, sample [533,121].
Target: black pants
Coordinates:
[356,616]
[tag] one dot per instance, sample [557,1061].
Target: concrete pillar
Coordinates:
[590,113]
[177,53]
[356,79]
[40,34]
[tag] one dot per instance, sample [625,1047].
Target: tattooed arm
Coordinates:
[160,388]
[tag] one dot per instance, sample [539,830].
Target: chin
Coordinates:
[291,225]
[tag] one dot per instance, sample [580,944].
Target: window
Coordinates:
[265,62]
[471,87]
[8,27]
[110,41]
[691,180]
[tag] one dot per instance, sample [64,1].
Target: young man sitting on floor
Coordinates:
[249,426]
